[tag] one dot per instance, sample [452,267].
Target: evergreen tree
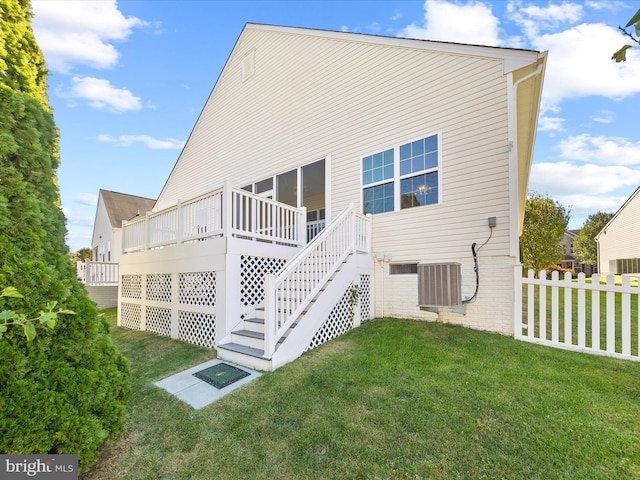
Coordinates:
[545,222]
[65,391]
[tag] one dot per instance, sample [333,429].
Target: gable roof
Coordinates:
[121,206]
[523,69]
[624,205]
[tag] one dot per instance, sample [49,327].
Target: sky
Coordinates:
[127,81]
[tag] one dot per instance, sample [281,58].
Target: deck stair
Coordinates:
[246,345]
[301,297]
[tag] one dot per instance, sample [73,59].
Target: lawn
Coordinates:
[392,399]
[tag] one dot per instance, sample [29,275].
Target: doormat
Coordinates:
[221,375]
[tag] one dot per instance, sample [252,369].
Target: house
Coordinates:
[618,247]
[334,177]
[570,261]
[100,276]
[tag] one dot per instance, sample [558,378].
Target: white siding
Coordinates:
[102,232]
[620,237]
[312,96]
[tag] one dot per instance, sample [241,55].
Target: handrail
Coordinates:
[289,293]
[226,211]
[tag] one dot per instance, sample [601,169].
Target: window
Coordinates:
[403,268]
[412,182]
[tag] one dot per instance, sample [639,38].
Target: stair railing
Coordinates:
[289,293]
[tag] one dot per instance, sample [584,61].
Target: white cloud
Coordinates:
[533,19]
[87,199]
[150,142]
[565,178]
[601,150]
[604,116]
[73,32]
[102,95]
[472,23]
[585,204]
[551,124]
[580,65]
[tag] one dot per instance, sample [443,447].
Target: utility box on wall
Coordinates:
[439,285]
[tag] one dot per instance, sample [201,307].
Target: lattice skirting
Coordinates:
[339,322]
[197,328]
[252,272]
[366,308]
[130,315]
[159,321]
[194,289]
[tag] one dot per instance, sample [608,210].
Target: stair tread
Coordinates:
[249,333]
[234,347]
[254,320]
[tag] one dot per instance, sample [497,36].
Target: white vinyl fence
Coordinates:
[580,314]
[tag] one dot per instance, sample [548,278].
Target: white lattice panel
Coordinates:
[130,316]
[365,297]
[340,321]
[159,287]
[198,288]
[252,272]
[131,286]
[197,328]
[159,321]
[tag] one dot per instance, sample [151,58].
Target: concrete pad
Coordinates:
[197,393]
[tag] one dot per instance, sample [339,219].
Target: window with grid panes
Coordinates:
[414,180]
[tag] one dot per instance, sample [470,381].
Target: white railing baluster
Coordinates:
[225,211]
[292,290]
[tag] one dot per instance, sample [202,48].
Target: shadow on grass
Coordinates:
[391,399]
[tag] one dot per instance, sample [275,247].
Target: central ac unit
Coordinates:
[439,285]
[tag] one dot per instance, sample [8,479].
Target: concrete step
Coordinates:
[245,356]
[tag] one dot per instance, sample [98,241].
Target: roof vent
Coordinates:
[249,65]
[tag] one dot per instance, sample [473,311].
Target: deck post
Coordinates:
[179,222]
[227,209]
[145,241]
[302,227]
[269,314]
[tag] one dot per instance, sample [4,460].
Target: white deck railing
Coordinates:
[97,273]
[226,211]
[605,320]
[289,293]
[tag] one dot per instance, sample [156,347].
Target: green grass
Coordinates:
[392,399]
[588,310]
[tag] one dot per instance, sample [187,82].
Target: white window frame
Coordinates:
[397,178]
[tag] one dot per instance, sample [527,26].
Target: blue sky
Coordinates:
[128,80]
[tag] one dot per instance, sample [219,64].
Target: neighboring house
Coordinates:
[100,276]
[400,158]
[618,246]
[570,261]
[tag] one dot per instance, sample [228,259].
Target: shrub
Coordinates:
[66,390]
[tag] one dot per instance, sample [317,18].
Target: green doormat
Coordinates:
[221,375]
